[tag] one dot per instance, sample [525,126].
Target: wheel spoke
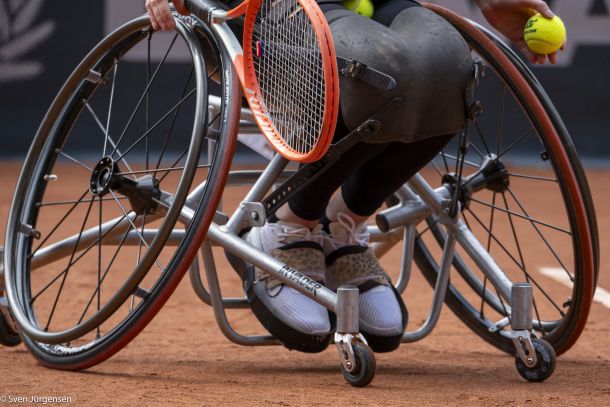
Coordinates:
[501,126]
[480,133]
[517,142]
[520,253]
[180,157]
[470,163]
[161,120]
[151,171]
[528,218]
[74,160]
[142,97]
[67,270]
[56,227]
[505,250]
[476,150]
[107,137]
[147,124]
[486,292]
[58,203]
[442,153]
[114,256]
[133,225]
[176,113]
[214,119]
[547,244]
[99,261]
[533,177]
[109,115]
[92,245]
[491,227]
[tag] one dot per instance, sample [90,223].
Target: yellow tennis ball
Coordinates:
[362,7]
[544,36]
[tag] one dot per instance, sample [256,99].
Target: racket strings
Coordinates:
[290,72]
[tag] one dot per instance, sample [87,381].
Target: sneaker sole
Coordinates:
[288,336]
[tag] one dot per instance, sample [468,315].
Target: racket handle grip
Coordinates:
[199,8]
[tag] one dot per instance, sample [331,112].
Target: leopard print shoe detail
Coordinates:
[306,257]
[354,265]
[296,320]
[383,315]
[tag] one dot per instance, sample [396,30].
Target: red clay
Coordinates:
[182,358]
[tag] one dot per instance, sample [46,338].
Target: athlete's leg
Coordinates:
[383,316]
[310,203]
[362,191]
[349,260]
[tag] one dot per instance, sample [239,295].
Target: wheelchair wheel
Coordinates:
[117,190]
[536,217]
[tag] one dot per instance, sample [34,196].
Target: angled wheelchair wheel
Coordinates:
[117,189]
[534,216]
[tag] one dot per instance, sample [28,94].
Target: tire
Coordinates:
[366,365]
[470,296]
[161,254]
[544,368]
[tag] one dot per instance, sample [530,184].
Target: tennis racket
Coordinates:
[288,71]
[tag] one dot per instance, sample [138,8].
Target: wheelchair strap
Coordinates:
[311,171]
[351,68]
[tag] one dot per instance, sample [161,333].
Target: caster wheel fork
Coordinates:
[358,363]
[535,358]
[544,365]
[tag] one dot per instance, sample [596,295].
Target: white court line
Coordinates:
[602,296]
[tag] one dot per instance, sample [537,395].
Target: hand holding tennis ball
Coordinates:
[362,7]
[543,35]
[510,17]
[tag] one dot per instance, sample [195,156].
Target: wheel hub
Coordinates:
[102,176]
[492,175]
[143,193]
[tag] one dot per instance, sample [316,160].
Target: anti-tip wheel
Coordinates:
[364,371]
[547,360]
[7,336]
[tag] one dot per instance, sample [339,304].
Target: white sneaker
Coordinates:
[349,260]
[296,320]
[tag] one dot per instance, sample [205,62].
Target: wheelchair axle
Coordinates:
[492,174]
[143,193]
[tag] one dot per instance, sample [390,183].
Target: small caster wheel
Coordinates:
[7,336]
[545,366]
[364,371]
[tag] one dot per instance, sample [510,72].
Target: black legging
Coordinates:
[367,173]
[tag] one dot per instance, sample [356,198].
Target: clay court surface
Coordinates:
[182,358]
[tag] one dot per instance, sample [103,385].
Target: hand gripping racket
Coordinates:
[288,72]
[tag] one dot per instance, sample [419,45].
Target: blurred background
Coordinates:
[42,41]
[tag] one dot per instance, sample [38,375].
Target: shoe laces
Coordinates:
[355,234]
[291,233]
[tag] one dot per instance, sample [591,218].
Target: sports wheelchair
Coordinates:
[86,268]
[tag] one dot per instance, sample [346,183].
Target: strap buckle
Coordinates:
[353,68]
[350,68]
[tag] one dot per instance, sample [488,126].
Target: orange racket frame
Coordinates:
[243,60]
